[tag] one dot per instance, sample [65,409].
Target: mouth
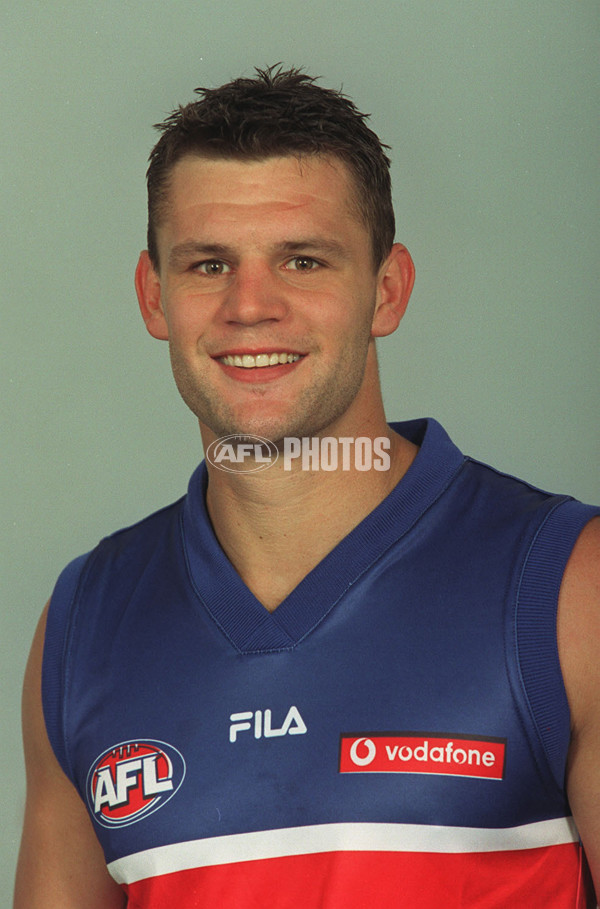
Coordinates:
[260,360]
[260,367]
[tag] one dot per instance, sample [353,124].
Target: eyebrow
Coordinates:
[316,245]
[190,249]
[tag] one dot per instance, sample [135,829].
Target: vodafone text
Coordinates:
[456,755]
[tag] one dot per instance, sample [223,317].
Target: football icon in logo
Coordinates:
[132,780]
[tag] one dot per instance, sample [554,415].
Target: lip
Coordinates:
[260,375]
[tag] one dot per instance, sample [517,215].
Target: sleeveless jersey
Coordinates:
[393,734]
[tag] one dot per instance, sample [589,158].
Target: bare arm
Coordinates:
[61,864]
[579,648]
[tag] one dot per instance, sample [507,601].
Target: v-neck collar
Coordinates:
[243,619]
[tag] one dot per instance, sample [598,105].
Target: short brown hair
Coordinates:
[278,112]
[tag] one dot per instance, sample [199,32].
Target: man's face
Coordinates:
[267,294]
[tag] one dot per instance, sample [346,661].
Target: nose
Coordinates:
[255,295]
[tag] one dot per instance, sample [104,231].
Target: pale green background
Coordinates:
[491,109]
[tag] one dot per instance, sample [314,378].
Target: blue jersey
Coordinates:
[394,733]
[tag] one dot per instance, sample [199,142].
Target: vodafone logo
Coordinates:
[363,752]
[131,780]
[417,752]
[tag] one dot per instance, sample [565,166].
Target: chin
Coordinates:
[274,430]
[307,416]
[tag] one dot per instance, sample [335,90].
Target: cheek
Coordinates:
[186,319]
[349,310]
[354,320]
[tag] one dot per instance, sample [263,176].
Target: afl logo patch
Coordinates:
[131,780]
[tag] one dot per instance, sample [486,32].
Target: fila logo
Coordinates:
[417,752]
[132,780]
[262,724]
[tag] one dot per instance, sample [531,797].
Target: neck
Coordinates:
[277,525]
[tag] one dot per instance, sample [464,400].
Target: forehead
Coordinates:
[231,190]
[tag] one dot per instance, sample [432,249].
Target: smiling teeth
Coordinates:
[247,361]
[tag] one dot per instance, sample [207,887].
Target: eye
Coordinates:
[302,263]
[212,268]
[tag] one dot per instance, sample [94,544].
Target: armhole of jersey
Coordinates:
[54,666]
[536,638]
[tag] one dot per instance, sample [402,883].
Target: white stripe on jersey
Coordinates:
[267,844]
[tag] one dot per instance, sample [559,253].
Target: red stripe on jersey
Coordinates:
[533,878]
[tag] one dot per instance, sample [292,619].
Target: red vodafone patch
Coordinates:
[418,752]
[133,779]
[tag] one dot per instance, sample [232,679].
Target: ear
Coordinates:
[394,286]
[147,287]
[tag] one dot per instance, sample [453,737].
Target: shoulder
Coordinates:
[89,598]
[121,557]
[579,624]
[117,550]
[579,646]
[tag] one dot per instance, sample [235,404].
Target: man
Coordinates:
[330,677]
